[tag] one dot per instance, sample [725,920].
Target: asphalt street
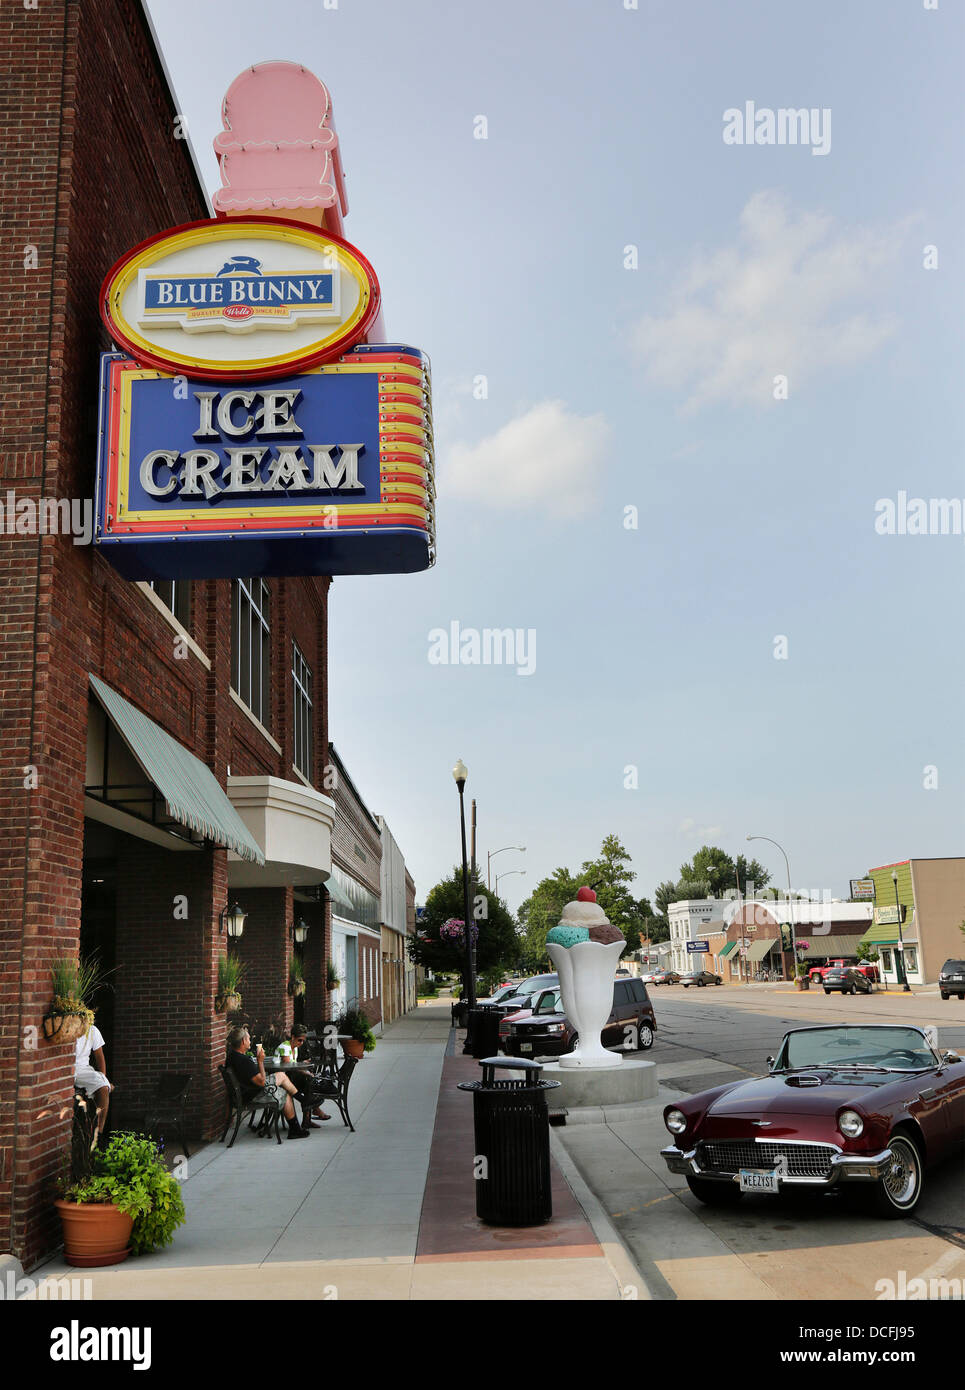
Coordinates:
[796,1246]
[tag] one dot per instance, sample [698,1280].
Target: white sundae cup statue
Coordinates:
[586,970]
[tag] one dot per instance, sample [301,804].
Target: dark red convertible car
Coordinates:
[869,1106]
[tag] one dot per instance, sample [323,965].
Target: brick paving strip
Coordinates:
[450,1228]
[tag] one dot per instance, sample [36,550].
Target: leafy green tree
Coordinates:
[752,875]
[496,944]
[541,911]
[611,874]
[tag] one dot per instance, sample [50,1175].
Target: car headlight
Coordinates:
[676,1121]
[850,1124]
[554,1028]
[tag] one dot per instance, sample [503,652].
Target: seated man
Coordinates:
[288,1052]
[250,1072]
[92,1080]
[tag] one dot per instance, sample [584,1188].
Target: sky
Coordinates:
[678,383]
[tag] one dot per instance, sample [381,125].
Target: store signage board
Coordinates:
[240,299]
[328,471]
[862,889]
[698,946]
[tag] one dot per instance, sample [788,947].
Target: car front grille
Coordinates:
[803,1160]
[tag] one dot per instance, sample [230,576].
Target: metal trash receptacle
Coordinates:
[483,1037]
[512,1144]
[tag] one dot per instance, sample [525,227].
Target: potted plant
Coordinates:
[231,972]
[360,1038]
[802,978]
[127,1202]
[332,977]
[296,978]
[74,982]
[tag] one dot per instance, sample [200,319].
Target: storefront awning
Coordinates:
[731,946]
[337,894]
[886,934]
[190,790]
[832,945]
[757,950]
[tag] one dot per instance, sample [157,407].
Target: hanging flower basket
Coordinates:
[227,1003]
[296,988]
[66,1020]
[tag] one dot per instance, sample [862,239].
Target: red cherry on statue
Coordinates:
[585,895]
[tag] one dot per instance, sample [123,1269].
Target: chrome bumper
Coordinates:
[844,1168]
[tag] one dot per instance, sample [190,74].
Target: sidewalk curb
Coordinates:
[615,1252]
[613,1114]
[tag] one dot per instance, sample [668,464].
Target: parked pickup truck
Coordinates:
[866,967]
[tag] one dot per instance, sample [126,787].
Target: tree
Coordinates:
[610,875]
[541,911]
[496,945]
[752,875]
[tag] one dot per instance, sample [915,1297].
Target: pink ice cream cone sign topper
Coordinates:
[279,148]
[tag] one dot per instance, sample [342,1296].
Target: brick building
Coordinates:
[163,750]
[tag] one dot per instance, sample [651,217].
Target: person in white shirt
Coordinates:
[288,1052]
[92,1079]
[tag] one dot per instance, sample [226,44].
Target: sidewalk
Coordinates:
[385,1213]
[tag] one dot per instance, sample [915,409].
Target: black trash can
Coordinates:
[512,1144]
[483,1039]
[458,1010]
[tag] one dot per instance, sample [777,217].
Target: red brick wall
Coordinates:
[92,167]
[266,947]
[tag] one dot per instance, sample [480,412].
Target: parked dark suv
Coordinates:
[847,980]
[549,1033]
[952,979]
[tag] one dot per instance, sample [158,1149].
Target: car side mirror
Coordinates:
[769,1061]
[950,1057]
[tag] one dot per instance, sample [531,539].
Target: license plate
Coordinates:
[958,977]
[526,1047]
[751,1180]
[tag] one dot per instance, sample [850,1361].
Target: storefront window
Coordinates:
[911,959]
[251,645]
[886,961]
[302,681]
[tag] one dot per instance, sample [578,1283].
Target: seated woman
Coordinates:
[288,1052]
[250,1072]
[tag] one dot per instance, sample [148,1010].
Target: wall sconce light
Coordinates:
[299,931]
[235,918]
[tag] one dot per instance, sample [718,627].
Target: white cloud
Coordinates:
[793,296]
[690,827]
[548,457]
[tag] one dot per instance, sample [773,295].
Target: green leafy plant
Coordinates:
[296,977]
[129,1172]
[231,973]
[332,978]
[75,982]
[355,1023]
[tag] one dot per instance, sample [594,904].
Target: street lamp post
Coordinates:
[789,907]
[491,855]
[506,875]
[460,772]
[905,987]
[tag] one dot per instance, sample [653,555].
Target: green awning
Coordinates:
[757,950]
[190,789]
[731,946]
[886,934]
[830,946]
[336,893]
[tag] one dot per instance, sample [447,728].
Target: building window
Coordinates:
[302,684]
[176,595]
[911,960]
[886,961]
[251,645]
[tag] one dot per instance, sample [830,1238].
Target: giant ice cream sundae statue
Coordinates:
[586,949]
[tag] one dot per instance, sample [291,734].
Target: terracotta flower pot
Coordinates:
[353,1048]
[95,1233]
